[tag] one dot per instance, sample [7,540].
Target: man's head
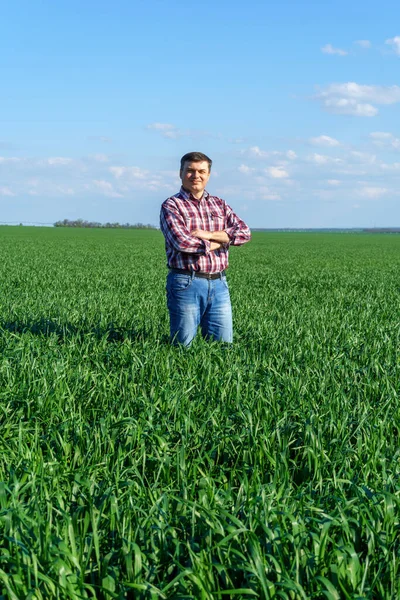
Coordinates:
[195,172]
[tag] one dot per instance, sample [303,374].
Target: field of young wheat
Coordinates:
[133,469]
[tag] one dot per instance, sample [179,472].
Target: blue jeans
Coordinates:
[194,301]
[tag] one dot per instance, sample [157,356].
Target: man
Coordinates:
[198,230]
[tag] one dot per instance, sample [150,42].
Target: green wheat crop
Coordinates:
[133,469]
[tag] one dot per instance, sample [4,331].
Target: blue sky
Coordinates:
[297,103]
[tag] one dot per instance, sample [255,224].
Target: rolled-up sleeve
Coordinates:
[236,229]
[176,234]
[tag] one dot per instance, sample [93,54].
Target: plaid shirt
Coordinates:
[182,214]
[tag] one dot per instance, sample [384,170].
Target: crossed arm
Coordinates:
[216,238]
[199,241]
[179,237]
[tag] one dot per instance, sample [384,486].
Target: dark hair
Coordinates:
[195,157]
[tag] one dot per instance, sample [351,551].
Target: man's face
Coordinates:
[195,176]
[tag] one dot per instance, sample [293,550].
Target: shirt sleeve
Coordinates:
[176,233]
[236,229]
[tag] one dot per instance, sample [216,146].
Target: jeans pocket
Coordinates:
[225,282]
[178,282]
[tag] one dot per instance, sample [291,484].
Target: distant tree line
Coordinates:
[94,224]
[382,230]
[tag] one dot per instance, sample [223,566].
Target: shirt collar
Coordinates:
[188,195]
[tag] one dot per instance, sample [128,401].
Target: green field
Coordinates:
[132,469]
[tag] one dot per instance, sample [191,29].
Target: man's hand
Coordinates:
[207,235]
[201,234]
[212,236]
[215,246]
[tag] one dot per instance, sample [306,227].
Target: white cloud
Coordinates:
[373,192]
[363,43]
[322,159]
[356,163]
[363,157]
[161,126]
[100,138]
[256,151]
[5,191]
[57,160]
[289,182]
[334,182]
[354,99]
[394,43]
[324,140]
[173,177]
[51,161]
[170,131]
[391,167]
[118,172]
[381,94]
[383,139]
[128,172]
[349,106]
[60,177]
[167,130]
[12,159]
[380,135]
[172,135]
[245,169]
[276,172]
[65,190]
[101,158]
[329,49]
[266,194]
[135,178]
[157,183]
[106,188]
[228,190]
